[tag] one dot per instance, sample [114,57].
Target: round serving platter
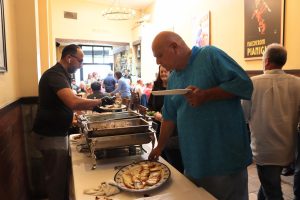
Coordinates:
[112,107]
[165,175]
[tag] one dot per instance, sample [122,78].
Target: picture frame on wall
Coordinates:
[3,61]
[263,25]
[202,29]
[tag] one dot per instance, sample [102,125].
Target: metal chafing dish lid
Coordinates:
[117,127]
[98,117]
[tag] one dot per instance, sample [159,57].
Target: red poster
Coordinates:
[263,23]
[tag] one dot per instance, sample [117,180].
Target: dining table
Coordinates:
[177,187]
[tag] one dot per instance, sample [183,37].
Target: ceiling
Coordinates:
[134,4]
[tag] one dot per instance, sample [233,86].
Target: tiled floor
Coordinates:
[253,182]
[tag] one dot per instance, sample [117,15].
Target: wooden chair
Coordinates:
[126,102]
[142,110]
[135,100]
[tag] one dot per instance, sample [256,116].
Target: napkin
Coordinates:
[104,189]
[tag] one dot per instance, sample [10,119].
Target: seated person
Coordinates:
[97,94]
[74,86]
[82,87]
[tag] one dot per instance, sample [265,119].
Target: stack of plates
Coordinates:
[171,92]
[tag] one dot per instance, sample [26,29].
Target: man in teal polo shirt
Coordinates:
[211,126]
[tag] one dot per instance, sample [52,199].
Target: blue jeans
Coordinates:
[297,172]
[269,177]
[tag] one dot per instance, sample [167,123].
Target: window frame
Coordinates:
[93,54]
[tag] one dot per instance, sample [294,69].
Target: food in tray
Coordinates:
[150,113]
[113,107]
[118,124]
[110,106]
[77,137]
[142,176]
[127,180]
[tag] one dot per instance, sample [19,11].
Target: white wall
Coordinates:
[227,29]
[90,25]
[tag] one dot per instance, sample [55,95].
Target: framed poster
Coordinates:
[202,29]
[263,25]
[3,67]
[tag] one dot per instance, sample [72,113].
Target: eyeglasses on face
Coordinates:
[78,59]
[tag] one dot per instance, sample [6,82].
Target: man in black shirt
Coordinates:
[54,117]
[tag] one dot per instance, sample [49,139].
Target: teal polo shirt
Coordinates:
[213,136]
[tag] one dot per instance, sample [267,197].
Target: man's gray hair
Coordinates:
[276,54]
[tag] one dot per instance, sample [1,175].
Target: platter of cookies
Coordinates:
[142,176]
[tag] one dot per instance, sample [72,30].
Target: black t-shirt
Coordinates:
[155,103]
[53,116]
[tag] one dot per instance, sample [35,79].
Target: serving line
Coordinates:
[178,187]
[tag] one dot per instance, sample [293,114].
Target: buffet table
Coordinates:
[177,187]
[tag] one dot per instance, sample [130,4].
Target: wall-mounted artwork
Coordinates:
[263,25]
[202,29]
[3,67]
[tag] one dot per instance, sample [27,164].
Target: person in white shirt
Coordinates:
[273,115]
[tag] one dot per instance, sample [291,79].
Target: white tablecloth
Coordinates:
[178,187]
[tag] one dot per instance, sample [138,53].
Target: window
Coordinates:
[96,59]
[97,54]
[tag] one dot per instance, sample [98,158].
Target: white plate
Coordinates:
[165,175]
[111,107]
[170,92]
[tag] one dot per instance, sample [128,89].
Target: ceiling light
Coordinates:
[116,12]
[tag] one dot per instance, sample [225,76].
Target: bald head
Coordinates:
[166,38]
[170,50]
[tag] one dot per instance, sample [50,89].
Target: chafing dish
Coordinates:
[97,117]
[117,127]
[117,141]
[111,133]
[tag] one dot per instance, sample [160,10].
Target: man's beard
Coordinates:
[72,69]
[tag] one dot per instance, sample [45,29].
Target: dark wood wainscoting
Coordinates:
[13,170]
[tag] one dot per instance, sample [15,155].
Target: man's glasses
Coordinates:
[78,59]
